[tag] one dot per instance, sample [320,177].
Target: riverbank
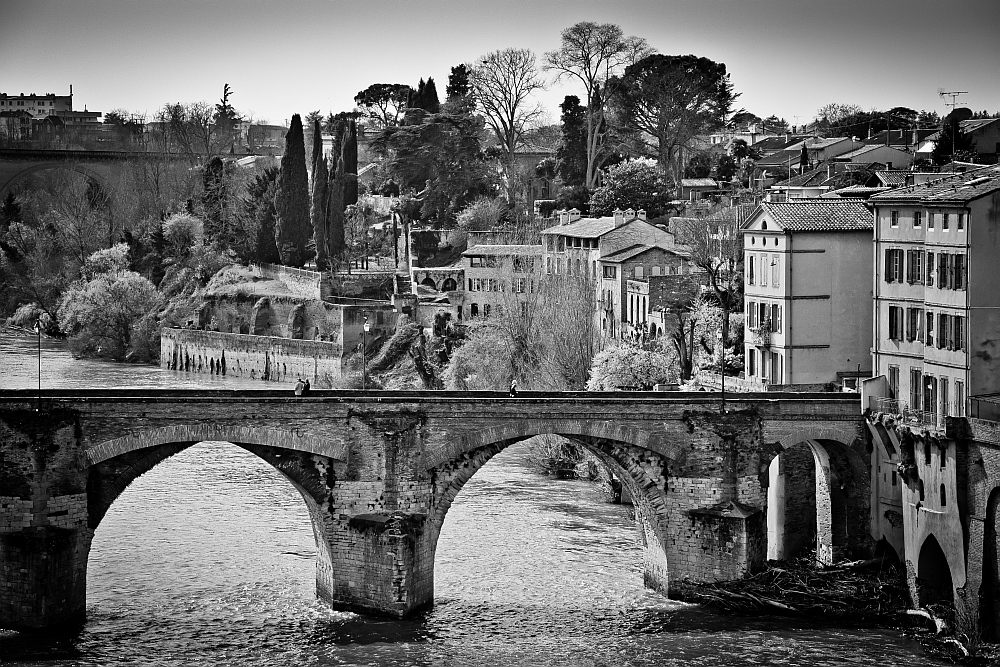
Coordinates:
[860,594]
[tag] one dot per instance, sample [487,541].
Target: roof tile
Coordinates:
[820,215]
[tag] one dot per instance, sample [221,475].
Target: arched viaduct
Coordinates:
[378,472]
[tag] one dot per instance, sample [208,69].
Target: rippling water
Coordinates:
[207,559]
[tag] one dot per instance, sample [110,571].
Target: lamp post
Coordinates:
[38,332]
[364,354]
[721,335]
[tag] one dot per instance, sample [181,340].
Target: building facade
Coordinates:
[937,292]
[498,276]
[807,291]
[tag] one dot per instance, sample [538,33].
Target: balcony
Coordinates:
[920,419]
[761,336]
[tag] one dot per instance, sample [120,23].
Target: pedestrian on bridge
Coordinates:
[513,388]
[299,387]
[305,387]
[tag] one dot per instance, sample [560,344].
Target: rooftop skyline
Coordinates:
[785,57]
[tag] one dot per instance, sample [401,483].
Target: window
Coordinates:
[930,221]
[958,340]
[549,244]
[918,219]
[610,271]
[915,377]
[943,273]
[775,270]
[752,365]
[943,332]
[960,222]
[560,244]
[959,398]
[775,318]
[914,266]
[893,265]
[959,272]
[894,381]
[930,268]
[894,218]
[474,310]
[943,389]
[486,310]
[944,501]
[752,270]
[638,271]
[763,270]
[914,317]
[895,323]
[930,329]
[945,221]
[548,265]
[751,314]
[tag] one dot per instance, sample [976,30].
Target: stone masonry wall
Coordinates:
[251,357]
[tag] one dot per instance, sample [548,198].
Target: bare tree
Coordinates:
[715,245]
[592,53]
[503,82]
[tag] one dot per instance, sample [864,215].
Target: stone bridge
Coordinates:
[101,167]
[379,470]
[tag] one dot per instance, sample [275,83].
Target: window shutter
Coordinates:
[888,265]
[930,269]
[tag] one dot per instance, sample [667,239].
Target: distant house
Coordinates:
[496,276]
[695,188]
[892,158]
[906,140]
[624,301]
[984,132]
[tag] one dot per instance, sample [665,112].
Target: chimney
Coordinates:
[908,180]
[641,214]
[629,214]
[574,214]
[564,217]
[619,217]
[914,139]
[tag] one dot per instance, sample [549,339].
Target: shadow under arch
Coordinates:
[92,175]
[641,470]
[989,591]
[819,489]
[934,581]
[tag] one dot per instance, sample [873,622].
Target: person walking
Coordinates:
[299,387]
[513,388]
[305,387]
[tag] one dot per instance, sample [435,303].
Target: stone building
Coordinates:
[498,275]
[625,274]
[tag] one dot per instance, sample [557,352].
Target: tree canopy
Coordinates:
[383,103]
[666,101]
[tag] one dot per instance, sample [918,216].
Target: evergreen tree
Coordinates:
[571,156]
[458,83]
[292,230]
[349,153]
[259,205]
[429,100]
[317,213]
[335,212]
[213,201]
[953,144]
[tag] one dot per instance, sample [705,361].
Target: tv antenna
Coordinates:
[942,93]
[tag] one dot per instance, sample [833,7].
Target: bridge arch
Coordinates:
[636,457]
[819,490]
[9,179]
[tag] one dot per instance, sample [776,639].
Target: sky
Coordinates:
[785,57]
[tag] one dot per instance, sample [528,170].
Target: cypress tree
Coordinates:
[213,201]
[350,156]
[291,204]
[429,100]
[458,82]
[571,156]
[335,212]
[317,214]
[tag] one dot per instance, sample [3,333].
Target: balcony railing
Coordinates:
[761,336]
[924,419]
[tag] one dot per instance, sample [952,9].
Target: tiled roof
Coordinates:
[974,124]
[957,188]
[587,228]
[503,250]
[862,191]
[864,149]
[637,249]
[898,137]
[779,143]
[820,215]
[892,176]
[698,183]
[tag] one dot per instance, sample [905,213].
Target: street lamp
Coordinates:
[38,332]
[364,354]
[721,335]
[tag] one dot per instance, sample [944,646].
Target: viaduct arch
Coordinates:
[13,173]
[378,472]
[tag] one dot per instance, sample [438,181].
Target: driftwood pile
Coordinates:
[859,591]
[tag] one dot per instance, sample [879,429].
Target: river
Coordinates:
[208,560]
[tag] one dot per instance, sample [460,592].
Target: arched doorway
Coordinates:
[989,593]
[934,584]
[429,282]
[449,285]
